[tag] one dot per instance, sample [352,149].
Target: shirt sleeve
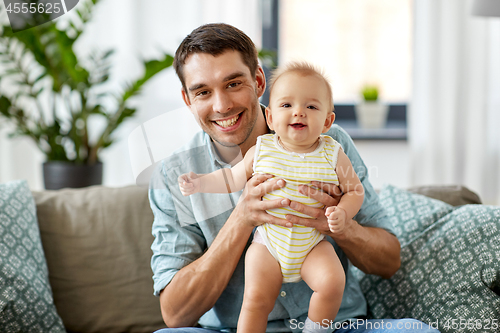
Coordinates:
[372,213]
[176,243]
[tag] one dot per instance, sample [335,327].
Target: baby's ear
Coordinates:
[330,118]
[269,118]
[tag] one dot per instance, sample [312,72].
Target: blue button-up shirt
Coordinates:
[184,227]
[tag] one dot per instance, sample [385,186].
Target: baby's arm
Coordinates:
[224,180]
[352,198]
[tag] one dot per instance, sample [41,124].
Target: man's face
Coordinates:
[223,96]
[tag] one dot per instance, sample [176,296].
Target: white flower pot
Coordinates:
[371,114]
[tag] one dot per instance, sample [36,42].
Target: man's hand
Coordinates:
[252,209]
[189,183]
[326,193]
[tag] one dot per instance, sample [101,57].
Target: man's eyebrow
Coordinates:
[196,87]
[233,76]
[230,77]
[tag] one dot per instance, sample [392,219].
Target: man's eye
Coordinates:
[202,93]
[233,84]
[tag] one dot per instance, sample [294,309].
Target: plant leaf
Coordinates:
[152,67]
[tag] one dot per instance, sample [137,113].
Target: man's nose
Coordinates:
[222,102]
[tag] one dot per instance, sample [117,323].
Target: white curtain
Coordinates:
[454,120]
[136,29]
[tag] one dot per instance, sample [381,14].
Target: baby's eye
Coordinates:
[286,105]
[312,107]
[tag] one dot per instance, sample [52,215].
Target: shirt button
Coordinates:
[283,294]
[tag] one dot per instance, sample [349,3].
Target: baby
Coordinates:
[300,110]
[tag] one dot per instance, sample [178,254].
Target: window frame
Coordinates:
[396,128]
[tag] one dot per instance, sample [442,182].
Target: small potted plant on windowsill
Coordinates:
[371,113]
[49,94]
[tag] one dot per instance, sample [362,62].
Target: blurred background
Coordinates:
[435,63]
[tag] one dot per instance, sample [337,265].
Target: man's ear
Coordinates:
[269,118]
[260,79]
[330,118]
[185,98]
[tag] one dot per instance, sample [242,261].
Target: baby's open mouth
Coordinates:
[298,125]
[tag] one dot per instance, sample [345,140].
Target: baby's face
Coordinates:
[299,109]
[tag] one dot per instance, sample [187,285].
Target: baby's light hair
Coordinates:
[304,68]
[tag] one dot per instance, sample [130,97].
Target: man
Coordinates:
[200,241]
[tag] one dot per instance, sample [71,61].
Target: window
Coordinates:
[355,41]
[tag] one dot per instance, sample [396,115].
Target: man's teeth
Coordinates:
[228,122]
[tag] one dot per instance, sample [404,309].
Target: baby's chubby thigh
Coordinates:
[322,270]
[324,274]
[261,266]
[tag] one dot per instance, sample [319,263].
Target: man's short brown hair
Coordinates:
[215,39]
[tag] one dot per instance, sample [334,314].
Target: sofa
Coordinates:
[77,260]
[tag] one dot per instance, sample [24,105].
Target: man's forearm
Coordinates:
[373,250]
[196,287]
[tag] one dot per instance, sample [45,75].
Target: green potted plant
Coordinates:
[371,113]
[50,94]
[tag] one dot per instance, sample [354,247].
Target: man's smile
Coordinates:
[227,122]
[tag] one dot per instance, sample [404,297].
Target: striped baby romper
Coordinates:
[290,246]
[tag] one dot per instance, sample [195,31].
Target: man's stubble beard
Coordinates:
[249,129]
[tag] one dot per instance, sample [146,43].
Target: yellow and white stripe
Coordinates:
[290,246]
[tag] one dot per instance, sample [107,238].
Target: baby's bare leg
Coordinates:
[324,274]
[262,284]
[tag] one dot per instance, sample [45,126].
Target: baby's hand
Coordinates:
[336,219]
[189,183]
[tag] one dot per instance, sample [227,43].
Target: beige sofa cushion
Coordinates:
[97,244]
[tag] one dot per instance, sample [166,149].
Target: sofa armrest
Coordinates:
[455,195]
